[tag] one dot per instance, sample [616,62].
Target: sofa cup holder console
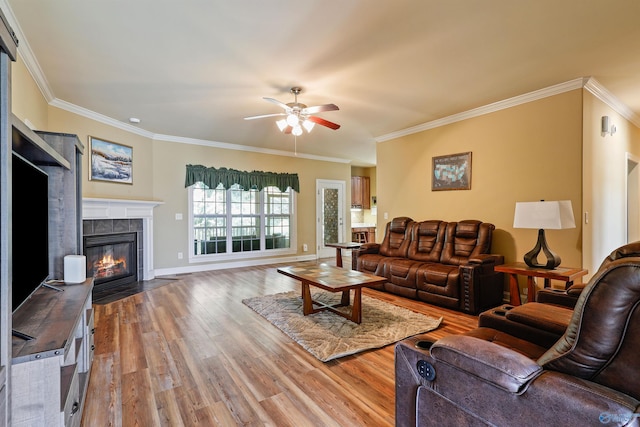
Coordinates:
[502,311]
[424,344]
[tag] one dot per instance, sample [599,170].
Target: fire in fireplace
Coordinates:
[110,266]
[111,258]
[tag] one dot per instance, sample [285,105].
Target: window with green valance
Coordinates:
[212,177]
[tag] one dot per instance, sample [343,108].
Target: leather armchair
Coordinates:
[590,376]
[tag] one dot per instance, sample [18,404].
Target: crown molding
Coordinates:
[490,108]
[229,146]
[179,139]
[81,111]
[588,83]
[600,92]
[25,52]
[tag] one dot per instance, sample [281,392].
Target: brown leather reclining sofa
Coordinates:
[487,376]
[438,262]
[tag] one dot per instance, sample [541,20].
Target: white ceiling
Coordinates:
[192,69]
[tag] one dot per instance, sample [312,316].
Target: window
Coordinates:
[237,222]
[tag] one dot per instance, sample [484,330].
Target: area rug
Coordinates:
[328,336]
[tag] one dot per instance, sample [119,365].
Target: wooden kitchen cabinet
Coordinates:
[360,192]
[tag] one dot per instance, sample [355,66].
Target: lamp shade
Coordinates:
[553,215]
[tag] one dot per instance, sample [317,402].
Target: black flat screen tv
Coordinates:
[29,228]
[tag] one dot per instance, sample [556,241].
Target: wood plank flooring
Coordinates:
[191,354]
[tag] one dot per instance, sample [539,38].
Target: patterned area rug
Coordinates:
[328,336]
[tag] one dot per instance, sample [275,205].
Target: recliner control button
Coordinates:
[426,370]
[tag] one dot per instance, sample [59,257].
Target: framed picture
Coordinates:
[110,161]
[451,172]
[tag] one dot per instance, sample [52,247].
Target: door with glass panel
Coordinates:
[330,207]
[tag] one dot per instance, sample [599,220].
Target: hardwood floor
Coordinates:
[190,353]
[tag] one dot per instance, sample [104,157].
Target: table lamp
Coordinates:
[555,215]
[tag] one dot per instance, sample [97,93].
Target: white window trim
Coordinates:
[263,253]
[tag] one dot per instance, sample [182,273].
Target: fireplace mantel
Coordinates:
[94,208]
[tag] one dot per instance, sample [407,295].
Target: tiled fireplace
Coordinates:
[118,240]
[113,250]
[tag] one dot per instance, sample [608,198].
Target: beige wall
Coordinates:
[524,153]
[159,171]
[159,174]
[604,181]
[529,152]
[27,102]
[169,165]
[143,179]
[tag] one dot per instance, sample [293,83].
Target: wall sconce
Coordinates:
[556,215]
[604,126]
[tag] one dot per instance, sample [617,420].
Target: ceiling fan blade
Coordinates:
[265,115]
[278,103]
[323,122]
[320,109]
[287,130]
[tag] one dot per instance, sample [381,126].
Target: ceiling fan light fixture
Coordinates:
[293,120]
[282,124]
[297,116]
[308,125]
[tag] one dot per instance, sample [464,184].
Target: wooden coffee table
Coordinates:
[332,279]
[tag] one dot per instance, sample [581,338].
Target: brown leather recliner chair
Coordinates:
[591,376]
[397,237]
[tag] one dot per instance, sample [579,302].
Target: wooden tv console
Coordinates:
[50,374]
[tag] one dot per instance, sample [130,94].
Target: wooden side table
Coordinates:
[564,274]
[339,247]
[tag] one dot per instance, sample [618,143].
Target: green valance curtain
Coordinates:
[212,177]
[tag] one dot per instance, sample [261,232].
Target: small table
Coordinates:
[339,247]
[332,279]
[565,274]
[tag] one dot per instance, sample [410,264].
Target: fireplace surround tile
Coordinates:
[102,212]
[122,225]
[93,227]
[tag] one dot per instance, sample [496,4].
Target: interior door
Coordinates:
[330,208]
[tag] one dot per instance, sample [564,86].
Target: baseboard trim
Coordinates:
[232,264]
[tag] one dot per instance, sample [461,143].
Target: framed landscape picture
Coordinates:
[451,172]
[110,161]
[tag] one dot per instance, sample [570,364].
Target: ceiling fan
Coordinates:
[298,115]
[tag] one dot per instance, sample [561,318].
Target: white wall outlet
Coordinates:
[178,217]
[386,215]
[179,255]
[305,247]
